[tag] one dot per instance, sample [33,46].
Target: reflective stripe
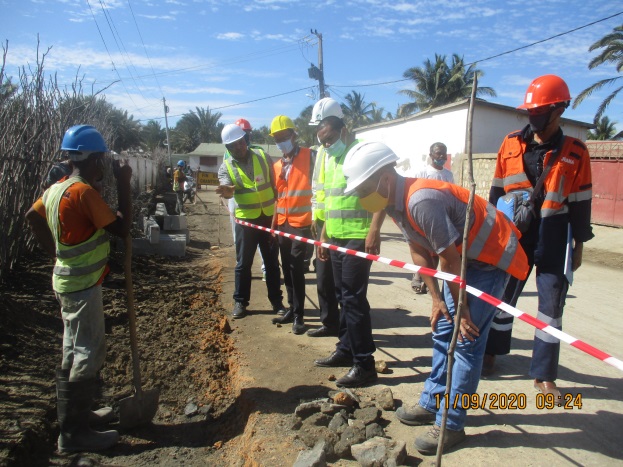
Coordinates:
[350,214]
[554,322]
[509,253]
[502,327]
[82,248]
[554,212]
[555,197]
[293,193]
[299,209]
[545,337]
[580,196]
[335,191]
[79,271]
[517,178]
[480,239]
[497,182]
[319,186]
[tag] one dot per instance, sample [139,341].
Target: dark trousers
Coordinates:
[552,290]
[247,241]
[325,285]
[293,264]
[351,275]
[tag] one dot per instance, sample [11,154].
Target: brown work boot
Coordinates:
[547,387]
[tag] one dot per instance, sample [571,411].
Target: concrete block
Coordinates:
[175,223]
[172,245]
[152,230]
[142,247]
[184,232]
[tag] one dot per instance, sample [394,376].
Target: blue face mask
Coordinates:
[336,149]
[286,147]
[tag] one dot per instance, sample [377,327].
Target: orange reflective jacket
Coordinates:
[569,180]
[492,239]
[294,193]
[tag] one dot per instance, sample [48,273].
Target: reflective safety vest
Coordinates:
[254,197]
[568,181]
[492,239]
[344,216]
[294,194]
[318,213]
[80,266]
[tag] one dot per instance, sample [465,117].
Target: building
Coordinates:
[410,137]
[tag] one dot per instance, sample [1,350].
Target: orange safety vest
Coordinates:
[492,239]
[294,194]
[568,181]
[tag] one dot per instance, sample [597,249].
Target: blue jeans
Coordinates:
[468,355]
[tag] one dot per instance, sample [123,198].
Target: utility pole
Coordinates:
[166,125]
[320,76]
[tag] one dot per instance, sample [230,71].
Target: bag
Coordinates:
[518,207]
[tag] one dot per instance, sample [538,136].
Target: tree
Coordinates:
[378,114]
[153,135]
[438,83]
[126,132]
[306,132]
[195,128]
[612,45]
[604,130]
[356,111]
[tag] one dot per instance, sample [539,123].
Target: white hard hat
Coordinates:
[324,108]
[231,133]
[364,160]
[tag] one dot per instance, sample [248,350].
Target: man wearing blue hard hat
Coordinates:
[179,177]
[71,221]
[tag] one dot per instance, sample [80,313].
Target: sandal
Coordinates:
[418,286]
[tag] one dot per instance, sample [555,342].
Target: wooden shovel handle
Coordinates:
[129,292]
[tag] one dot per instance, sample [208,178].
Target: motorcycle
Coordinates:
[190,189]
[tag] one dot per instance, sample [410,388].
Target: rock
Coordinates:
[315,457]
[374,430]
[331,409]
[351,435]
[378,452]
[385,399]
[295,422]
[341,398]
[305,409]
[381,366]
[317,419]
[214,247]
[310,435]
[331,378]
[224,325]
[191,409]
[368,415]
[337,421]
[358,424]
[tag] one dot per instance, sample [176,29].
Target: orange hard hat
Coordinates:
[244,124]
[546,90]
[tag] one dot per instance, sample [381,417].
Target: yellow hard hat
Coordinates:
[280,122]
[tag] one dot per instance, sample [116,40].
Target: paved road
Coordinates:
[587,436]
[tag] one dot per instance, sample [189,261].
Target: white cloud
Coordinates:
[230,36]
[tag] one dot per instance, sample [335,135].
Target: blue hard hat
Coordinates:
[81,141]
[181,163]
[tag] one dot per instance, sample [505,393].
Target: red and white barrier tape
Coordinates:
[537,323]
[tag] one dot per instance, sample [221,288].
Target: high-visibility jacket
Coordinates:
[254,197]
[344,216]
[319,208]
[492,239]
[80,266]
[569,180]
[294,194]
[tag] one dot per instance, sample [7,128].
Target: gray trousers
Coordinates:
[84,346]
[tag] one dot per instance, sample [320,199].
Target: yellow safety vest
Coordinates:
[254,197]
[80,266]
[319,184]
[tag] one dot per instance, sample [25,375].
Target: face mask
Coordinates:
[439,162]
[539,122]
[336,149]
[374,202]
[286,146]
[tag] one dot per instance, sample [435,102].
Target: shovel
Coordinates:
[142,406]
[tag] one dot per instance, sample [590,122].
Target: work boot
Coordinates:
[323,331]
[280,309]
[73,408]
[298,327]
[97,417]
[415,415]
[357,376]
[240,311]
[287,317]
[427,444]
[335,359]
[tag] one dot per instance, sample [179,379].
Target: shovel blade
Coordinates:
[138,409]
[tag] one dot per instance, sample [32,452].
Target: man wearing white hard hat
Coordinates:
[350,226]
[247,176]
[431,215]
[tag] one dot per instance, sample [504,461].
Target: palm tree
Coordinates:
[612,45]
[356,111]
[306,132]
[438,83]
[197,127]
[153,135]
[604,130]
[378,114]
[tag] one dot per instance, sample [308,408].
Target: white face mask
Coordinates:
[286,147]
[336,149]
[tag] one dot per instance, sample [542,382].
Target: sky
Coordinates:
[250,58]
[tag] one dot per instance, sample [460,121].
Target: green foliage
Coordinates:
[611,53]
[153,135]
[357,112]
[604,130]
[306,132]
[195,127]
[439,83]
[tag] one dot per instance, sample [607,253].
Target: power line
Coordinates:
[493,56]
